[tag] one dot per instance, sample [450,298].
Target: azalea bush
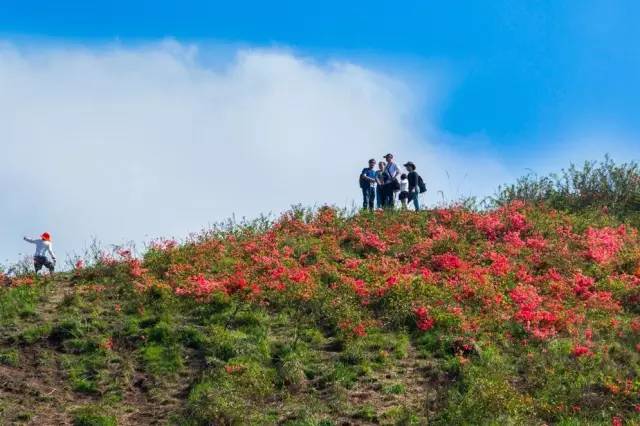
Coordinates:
[521,314]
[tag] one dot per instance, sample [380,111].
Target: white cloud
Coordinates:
[129,143]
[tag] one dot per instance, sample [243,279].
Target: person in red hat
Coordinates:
[43,247]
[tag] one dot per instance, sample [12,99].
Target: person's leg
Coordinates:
[372,198]
[50,266]
[392,198]
[416,201]
[383,196]
[379,196]
[37,264]
[365,197]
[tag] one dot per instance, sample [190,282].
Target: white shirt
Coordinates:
[42,247]
[404,185]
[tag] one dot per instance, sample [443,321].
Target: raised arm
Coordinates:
[29,240]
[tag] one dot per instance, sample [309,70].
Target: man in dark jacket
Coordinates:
[368,185]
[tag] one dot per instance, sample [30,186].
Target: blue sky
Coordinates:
[521,72]
[142,137]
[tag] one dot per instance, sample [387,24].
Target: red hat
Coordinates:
[45,236]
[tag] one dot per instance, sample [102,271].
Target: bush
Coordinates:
[596,185]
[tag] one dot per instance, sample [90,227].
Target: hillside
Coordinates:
[517,315]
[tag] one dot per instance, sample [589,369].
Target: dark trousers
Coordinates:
[379,196]
[40,261]
[368,197]
[388,201]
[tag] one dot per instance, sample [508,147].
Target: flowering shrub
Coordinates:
[521,306]
[523,271]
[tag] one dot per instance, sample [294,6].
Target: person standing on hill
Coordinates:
[368,185]
[393,184]
[414,184]
[380,181]
[404,191]
[43,247]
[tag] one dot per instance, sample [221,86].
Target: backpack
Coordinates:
[422,187]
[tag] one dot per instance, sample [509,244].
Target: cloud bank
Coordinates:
[131,143]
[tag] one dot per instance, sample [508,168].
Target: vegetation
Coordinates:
[597,185]
[522,314]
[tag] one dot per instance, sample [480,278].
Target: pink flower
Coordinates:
[352,263]
[500,264]
[392,281]
[448,261]
[136,268]
[536,243]
[369,239]
[517,221]
[489,224]
[603,244]
[513,240]
[360,288]
[588,334]
[426,273]
[583,285]
[298,275]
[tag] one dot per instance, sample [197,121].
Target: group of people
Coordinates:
[380,187]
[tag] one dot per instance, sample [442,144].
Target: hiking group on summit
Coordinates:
[379,187]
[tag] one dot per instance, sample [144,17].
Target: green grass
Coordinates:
[92,415]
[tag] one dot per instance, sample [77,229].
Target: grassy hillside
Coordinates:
[519,315]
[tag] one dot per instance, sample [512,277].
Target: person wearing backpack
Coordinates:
[416,184]
[368,185]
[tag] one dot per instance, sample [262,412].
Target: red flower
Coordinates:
[424,322]
[583,286]
[360,330]
[447,262]
[580,350]
[392,280]
[603,244]
[517,221]
[500,263]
